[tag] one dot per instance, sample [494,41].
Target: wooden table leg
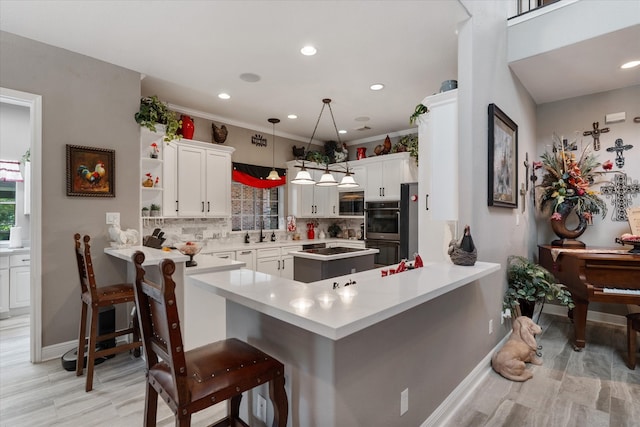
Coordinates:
[580,324]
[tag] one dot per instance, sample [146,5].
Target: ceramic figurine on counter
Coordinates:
[246,237]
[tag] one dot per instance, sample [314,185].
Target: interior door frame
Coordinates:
[34,103]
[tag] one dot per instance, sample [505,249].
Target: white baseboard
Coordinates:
[459,395]
[56,351]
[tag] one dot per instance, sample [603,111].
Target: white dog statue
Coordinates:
[521,347]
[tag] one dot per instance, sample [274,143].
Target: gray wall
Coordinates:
[85,102]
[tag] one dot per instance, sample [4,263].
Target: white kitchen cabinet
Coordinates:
[15,282]
[4,286]
[385,175]
[248,256]
[225,255]
[194,177]
[204,182]
[276,261]
[312,201]
[438,179]
[19,287]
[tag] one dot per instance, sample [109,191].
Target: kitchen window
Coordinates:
[7,208]
[252,207]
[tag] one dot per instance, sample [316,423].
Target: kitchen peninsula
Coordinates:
[340,344]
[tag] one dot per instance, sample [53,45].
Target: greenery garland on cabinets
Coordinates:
[153,111]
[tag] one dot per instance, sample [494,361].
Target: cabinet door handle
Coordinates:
[283,264]
[245,252]
[278,264]
[426,202]
[208,206]
[176,206]
[202,206]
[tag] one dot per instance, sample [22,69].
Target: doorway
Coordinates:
[33,103]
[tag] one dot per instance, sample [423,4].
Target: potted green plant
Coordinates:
[407,143]
[153,112]
[155,210]
[145,211]
[530,283]
[420,110]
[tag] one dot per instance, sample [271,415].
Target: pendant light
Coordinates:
[326,180]
[273,175]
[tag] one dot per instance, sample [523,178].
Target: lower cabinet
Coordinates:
[276,261]
[247,256]
[15,283]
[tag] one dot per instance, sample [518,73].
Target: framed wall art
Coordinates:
[90,171]
[503,159]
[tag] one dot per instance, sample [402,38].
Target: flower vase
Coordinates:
[187,127]
[567,237]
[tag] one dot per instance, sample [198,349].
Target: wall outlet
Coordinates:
[261,408]
[207,234]
[490,326]
[404,401]
[113,218]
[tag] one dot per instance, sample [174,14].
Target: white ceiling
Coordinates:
[189,51]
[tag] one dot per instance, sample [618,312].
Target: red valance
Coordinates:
[255,176]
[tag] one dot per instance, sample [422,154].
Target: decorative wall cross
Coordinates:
[595,133]
[619,148]
[622,189]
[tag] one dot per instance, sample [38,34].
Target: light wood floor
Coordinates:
[583,389]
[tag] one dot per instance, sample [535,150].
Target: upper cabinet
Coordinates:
[194,178]
[438,173]
[385,174]
[307,201]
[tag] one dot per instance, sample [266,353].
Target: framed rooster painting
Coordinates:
[90,171]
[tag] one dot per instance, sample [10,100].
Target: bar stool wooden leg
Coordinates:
[278,397]
[82,340]
[91,351]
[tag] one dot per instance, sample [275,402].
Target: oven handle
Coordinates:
[382,209]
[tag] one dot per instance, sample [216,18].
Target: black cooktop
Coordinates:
[332,251]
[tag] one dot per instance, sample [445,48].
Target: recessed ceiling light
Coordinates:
[308,51]
[362,119]
[342,131]
[249,77]
[377,86]
[224,95]
[630,64]
[292,116]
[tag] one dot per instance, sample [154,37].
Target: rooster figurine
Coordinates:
[92,177]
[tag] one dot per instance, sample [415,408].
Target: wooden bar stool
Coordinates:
[93,298]
[633,327]
[196,379]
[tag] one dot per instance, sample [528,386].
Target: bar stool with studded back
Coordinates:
[633,327]
[190,381]
[94,297]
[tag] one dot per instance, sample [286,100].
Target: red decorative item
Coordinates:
[187,128]
[362,153]
[401,267]
[311,234]
[418,262]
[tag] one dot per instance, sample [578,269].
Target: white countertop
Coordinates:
[321,257]
[210,263]
[376,298]
[238,246]
[11,251]
[206,263]
[151,256]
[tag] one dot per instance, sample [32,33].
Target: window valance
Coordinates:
[255,176]
[10,171]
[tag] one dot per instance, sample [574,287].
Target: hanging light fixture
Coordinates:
[326,180]
[273,175]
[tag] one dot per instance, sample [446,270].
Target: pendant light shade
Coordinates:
[327,179]
[273,175]
[303,177]
[347,181]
